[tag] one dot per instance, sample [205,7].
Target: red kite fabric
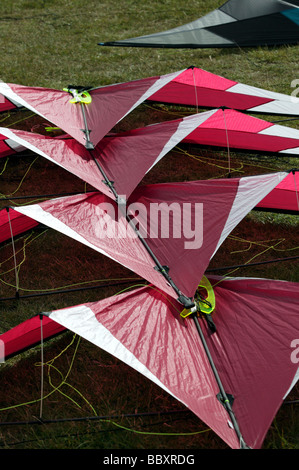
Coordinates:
[254,347]
[109,104]
[124,157]
[9,147]
[230,128]
[19,224]
[198,87]
[128,156]
[285,197]
[7,105]
[28,334]
[183,223]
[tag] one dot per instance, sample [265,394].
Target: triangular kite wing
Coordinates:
[237,23]
[14,223]
[124,157]
[9,146]
[7,105]
[284,197]
[233,129]
[27,335]
[86,121]
[197,87]
[254,348]
[183,224]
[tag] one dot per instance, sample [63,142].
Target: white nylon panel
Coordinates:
[295,380]
[82,321]
[12,96]
[16,142]
[37,213]
[281,131]
[160,83]
[251,191]
[185,128]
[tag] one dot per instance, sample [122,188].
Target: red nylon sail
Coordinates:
[253,348]
[7,105]
[109,104]
[19,224]
[230,128]
[285,197]
[198,87]
[28,334]
[9,147]
[124,157]
[183,224]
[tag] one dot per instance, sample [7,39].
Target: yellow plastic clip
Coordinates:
[79,96]
[205,301]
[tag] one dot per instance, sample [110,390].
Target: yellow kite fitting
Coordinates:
[78,96]
[205,303]
[188,311]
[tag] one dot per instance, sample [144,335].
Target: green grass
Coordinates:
[52,44]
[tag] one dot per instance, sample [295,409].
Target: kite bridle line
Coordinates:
[187,302]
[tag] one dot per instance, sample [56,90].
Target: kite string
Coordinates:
[195,90]
[14,253]
[4,167]
[63,380]
[21,120]
[227,143]
[248,261]
[50,365]
[22,180]
[295,183]
[42,367]
[27,241]
[6,117]
[207,161]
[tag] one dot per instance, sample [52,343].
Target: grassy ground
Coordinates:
[52,44]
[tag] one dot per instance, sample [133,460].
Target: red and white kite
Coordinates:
[13,223]
[254,351]
[87,115]
[9,146]
[183,224]
[124,157]
[233,129]
[128,156]
[7,105]
[197,87]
